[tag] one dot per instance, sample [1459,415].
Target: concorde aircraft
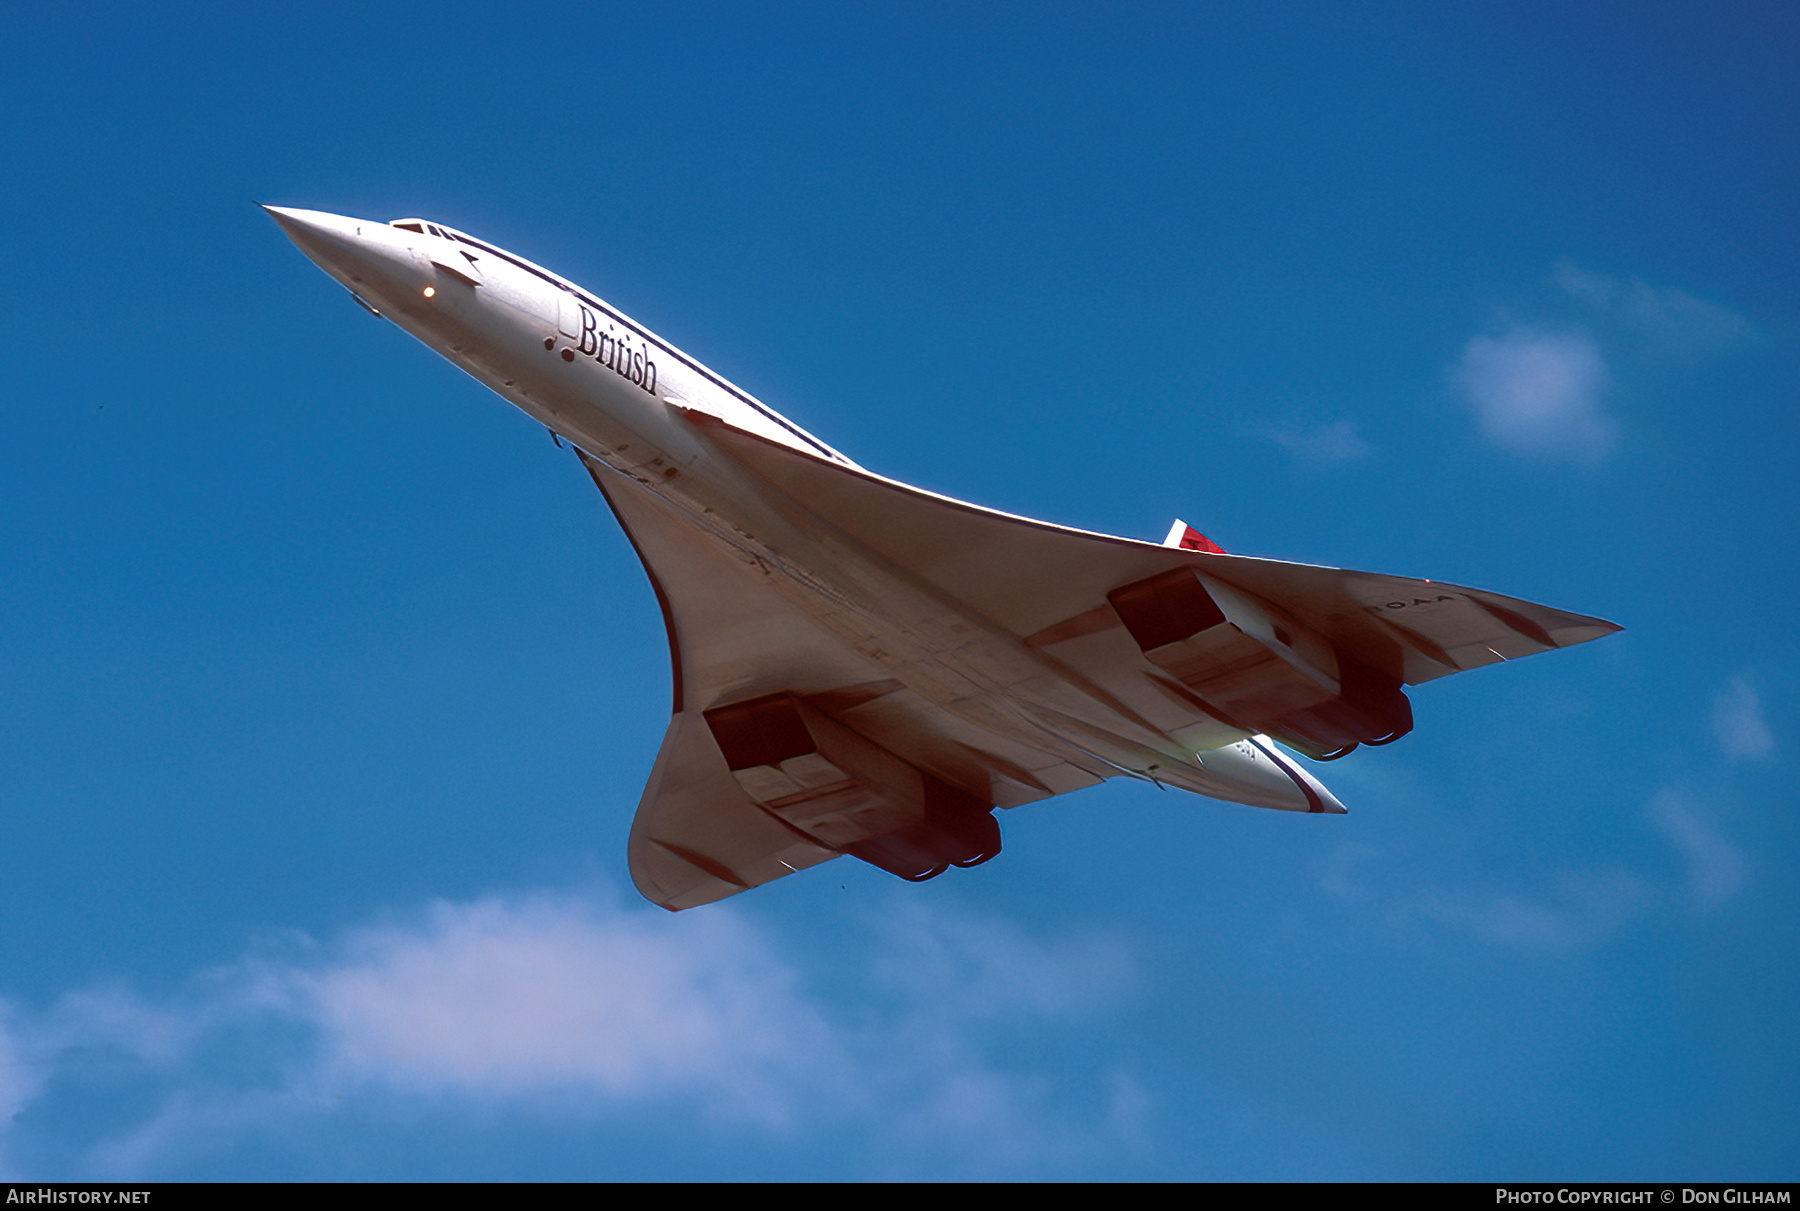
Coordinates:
[865,668]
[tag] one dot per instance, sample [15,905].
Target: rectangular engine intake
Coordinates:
[837,786]
[1259,668]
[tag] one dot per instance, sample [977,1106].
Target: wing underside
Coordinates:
[1094,656]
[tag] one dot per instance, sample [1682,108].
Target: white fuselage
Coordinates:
[564,357]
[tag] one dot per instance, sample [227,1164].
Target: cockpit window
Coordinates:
[423,228]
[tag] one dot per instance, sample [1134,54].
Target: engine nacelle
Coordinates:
[1259,668]
[842,789]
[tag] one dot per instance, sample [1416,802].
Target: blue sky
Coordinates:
[330,685]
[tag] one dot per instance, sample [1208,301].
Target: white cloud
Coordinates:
[575,1005]
[1539,393]
[1584,908]
[1337,442]
[1543,390]
[508,997]
[1716,867]
[1737,720]
[1573,908]
[18,1079]
[994,969]
[1673,320]
[1568,911]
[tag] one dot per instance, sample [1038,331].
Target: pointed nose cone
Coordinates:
[329,239]
[372,260]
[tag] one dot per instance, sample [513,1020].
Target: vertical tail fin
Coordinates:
[1189,539]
